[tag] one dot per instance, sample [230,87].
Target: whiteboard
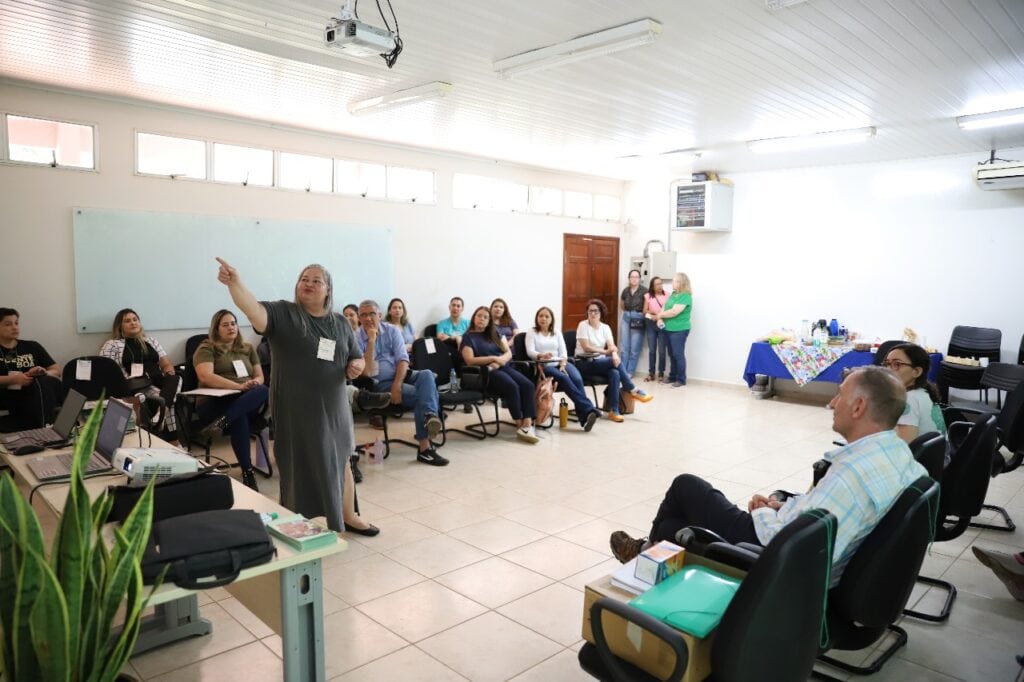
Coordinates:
[162,264]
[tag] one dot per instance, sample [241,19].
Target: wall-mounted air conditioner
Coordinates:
[1000,175]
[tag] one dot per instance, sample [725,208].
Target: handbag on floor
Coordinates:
[627,403]
[206,549]
[544,396]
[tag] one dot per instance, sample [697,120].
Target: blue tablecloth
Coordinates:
[763,360]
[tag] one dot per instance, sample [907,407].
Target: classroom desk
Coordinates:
[286,593]
[762,360]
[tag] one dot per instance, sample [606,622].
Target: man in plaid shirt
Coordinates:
[863,480]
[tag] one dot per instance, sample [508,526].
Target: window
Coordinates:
[579,204]
[410,184]
[53,143]
[545,200]
[311,173]
[607,207]
[176,157]
[363,179]
[489,194]
[246,165]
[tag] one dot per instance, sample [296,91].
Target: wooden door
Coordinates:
[590,269]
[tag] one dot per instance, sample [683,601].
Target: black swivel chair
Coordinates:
[430,330]
[433,357]
[594,381]
[772,627]
[879,578]
[107,378]
[968,342]
[930,452]
[964,486]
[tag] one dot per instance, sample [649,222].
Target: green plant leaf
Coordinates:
[20,528]
[50,627]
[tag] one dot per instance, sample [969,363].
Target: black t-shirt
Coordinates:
[24,356]
[137,350]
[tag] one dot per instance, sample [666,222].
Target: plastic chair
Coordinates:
[968,342]
[773,623]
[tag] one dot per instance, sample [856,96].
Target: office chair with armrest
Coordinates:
[968,342]
[772,626]
[929,450]
[431,356]
[963,489]
[384,414]
[107,378]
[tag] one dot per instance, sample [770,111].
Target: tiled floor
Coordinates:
[479,569]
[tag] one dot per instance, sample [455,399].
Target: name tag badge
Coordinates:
[83,370]
[325,349]
[429,344]
[240,370]
[136,370]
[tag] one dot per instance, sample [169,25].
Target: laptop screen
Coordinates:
[69,412]
[112,428]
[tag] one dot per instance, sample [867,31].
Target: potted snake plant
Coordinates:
[57,612]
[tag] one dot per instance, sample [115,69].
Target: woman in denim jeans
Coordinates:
[597,356]
[657,339]
[632,340]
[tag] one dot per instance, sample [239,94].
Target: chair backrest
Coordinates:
[519,348]
[975,342]
[772,628]
[878,580]
[1010,421]
[929,450]
[883,350]
[439,362]
[570,341]
[1002,376]
[189,380]
[106,376]
[965,480]
[430,330]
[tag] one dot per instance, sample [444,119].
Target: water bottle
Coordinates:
[563,414]
[833,327]
[453,381]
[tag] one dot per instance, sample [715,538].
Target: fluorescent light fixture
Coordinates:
[596,44]
[400,98]
[781,4]
[835,137]
[991,119]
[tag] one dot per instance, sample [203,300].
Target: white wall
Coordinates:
[439,251]
[879,246]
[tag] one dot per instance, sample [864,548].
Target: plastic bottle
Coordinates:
[453,381]
[563,414]
[833,327]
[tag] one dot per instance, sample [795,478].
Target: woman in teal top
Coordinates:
[676,316]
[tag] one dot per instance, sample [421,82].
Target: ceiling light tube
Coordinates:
[835,137]
[400,98]
[991,119]
[596,44]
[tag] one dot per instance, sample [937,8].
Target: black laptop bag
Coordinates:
[206,549]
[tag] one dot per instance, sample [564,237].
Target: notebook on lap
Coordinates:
[47,436]
[112,428]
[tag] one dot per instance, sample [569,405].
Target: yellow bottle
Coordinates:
[563,414]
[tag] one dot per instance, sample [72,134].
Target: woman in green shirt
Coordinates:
[676,316]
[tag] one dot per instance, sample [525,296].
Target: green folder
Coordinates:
[692,600]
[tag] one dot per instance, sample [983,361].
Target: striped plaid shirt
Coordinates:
[862,483]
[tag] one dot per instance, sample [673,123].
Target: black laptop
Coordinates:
[50,436]
[112,428]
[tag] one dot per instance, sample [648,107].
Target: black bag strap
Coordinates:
[181,574]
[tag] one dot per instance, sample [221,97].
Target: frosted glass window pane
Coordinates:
[411,184]
[579,205]
[38,140]
[486,193]
[364,179]
[311,173]
[243,164]
[607,207]
[545,200]
[509,196]
[469,191]
[180,157]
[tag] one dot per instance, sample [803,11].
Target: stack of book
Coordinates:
[301,533]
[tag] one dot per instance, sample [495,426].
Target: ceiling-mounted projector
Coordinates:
[357,39]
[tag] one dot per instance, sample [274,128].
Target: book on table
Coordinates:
[301,533]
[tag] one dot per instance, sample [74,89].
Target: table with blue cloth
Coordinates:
[763,360]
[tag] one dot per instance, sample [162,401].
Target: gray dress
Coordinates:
[312,416]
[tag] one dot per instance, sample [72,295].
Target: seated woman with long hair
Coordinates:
[504,325]
[545,344]
[598,356]
[398,316]
[224,360]
[482,347]
[922,414]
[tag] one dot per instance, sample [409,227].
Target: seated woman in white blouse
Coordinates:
[545,344]
[597,356]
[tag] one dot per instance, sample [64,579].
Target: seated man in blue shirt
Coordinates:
[453,327]
[387,364]
[862,482]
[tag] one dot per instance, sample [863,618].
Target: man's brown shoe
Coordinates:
[625,548]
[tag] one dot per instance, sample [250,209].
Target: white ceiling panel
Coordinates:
[721,73]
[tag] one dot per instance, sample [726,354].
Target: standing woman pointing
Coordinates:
[314,353]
